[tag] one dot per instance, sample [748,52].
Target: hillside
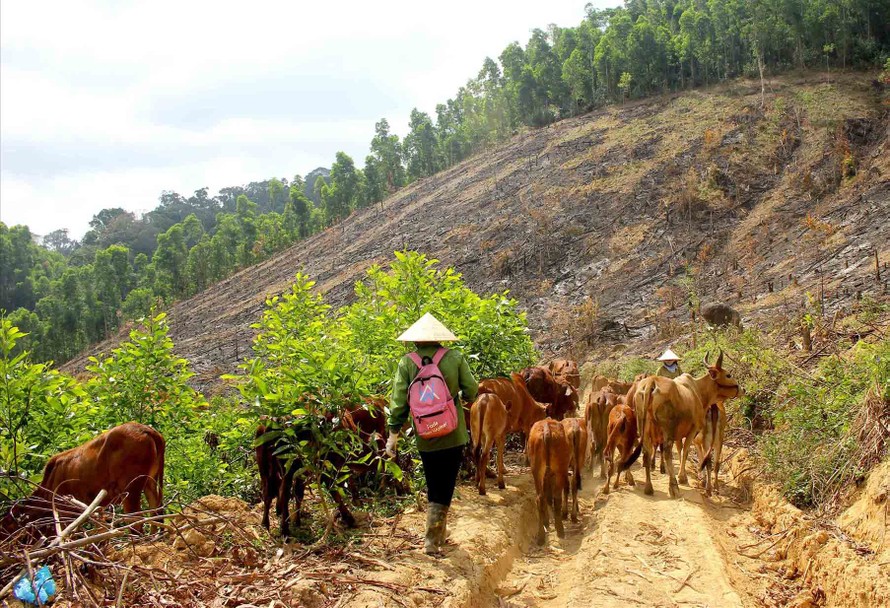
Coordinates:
[608,214]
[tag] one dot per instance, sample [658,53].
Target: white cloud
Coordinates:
[109,103]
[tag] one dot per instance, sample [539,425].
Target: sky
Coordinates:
[108,103]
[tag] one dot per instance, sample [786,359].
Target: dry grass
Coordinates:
[628,238]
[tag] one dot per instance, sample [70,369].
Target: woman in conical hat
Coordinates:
[670,366]
[441,456]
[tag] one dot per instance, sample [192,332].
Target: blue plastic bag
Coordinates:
[43,582]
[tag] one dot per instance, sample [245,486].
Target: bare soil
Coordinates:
[746,547]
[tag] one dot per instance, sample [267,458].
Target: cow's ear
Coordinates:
[712,372]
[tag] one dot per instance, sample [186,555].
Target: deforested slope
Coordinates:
[604,224]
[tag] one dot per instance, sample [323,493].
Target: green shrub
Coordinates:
[813,452]
[143,380]
[41,411]
[492,333]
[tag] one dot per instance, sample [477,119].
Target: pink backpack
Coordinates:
[431,404]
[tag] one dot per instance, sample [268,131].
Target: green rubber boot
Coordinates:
[443,533]
[435,527]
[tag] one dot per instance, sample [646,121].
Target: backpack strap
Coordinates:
[441,352]
[415,357]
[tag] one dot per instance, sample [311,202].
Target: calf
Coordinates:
[488,426]
[125,461]
[566,400]
[630,399]
[549,453]
[283,483]
[622,435]
[596,414]
[710,443]
[523,410]
[576,434]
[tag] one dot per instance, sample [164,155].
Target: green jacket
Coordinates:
[664,372]
[459,379]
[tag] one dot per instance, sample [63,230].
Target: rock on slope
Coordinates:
[616,208]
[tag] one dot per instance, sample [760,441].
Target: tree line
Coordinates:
[67,294]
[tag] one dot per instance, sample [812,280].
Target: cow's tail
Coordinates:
[160,448]
[712,417]
[576,446]
[613,437]
[548,473]
[477,423]
[645,423]
[632,457]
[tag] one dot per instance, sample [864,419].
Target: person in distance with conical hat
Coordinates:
[670,364]
[427,399]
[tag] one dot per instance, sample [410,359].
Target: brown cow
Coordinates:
[576,434]
[566,400]
[545,388]
[567,371]
[628,399]
[549,453]
[368,422]
[596,414]
[540,384]
[674,410]
[523,410]
[623,436]
[710,443]
[125,461]
[488,426]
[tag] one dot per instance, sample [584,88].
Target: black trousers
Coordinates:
[440,469]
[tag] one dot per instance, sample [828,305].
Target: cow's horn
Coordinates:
[707,356]
[720,360]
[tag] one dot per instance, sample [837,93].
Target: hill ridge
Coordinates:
[603,214]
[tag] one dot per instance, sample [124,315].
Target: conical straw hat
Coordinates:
[427,329]
[669,355]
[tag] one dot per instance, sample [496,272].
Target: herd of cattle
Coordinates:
[540,403]
[651,413]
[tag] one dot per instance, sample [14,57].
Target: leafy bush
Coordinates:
[43,412]
[143,380]
[631,368]
[208,449]
[40,410]
[813,451]
[491,332]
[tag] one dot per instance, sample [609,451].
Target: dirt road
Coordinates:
[628,548]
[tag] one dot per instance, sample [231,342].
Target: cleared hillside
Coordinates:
[605,224]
